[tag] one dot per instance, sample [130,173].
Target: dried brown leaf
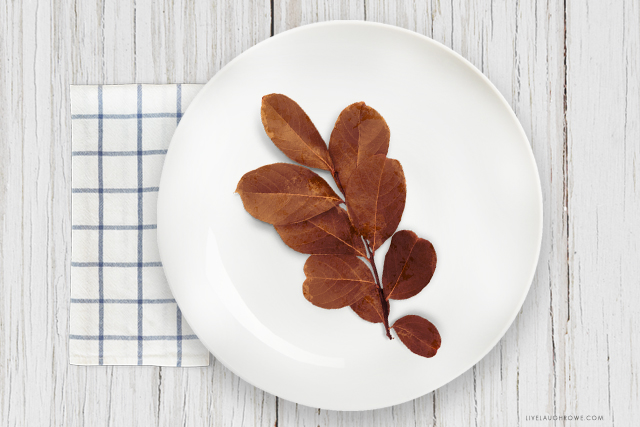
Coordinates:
[283,193]
[369,308]
[359,133]
[376,198]
[408,265]
[292,131]
[329,233]
[418,334]
[335,281]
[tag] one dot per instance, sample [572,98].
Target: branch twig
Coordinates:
[383,301]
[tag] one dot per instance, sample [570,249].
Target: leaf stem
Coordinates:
[383,301]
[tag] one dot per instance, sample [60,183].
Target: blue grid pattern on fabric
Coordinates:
[111,237]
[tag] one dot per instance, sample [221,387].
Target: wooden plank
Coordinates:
[185,41]
[519,46]
[603,83]
[27,230]
[47,46]
[289,14]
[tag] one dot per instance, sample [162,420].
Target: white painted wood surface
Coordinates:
[571,71]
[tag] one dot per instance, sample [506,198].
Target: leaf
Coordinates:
[292,131]
[335,281]
[408,265]
[329,233]
[283,193]
[359,133]
[369,308]
[376,198]
[418,334]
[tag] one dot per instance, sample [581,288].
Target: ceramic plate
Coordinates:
[472,189]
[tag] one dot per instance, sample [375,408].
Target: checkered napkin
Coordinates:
[122,311]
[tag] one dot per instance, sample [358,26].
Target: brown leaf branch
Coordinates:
[380,291]
[309,216]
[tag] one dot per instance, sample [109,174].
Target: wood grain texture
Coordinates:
[46,46]
[603,196]
[571,72]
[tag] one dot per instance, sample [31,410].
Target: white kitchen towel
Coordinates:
[122,311]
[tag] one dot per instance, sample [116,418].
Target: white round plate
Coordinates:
[472,189]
